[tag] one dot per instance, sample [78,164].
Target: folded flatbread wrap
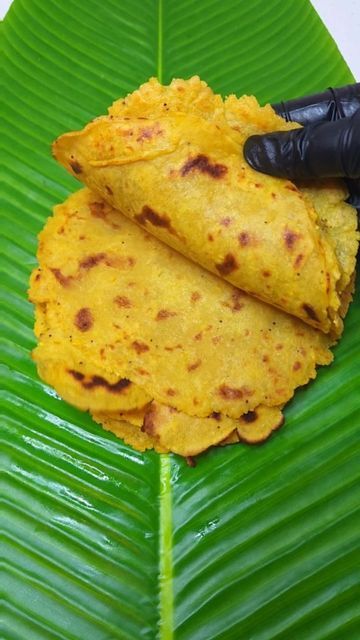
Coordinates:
[170,159]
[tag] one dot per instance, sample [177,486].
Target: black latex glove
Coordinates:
[327,146]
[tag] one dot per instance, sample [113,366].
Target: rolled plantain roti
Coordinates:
[170,159]
[159,350]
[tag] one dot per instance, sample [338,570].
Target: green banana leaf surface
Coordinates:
[98,541]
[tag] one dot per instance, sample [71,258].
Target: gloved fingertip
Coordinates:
[253,152]
[263,154]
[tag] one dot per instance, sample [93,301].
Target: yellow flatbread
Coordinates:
[170,158]
[138,311]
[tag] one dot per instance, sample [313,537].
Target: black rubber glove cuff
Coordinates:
[327,106]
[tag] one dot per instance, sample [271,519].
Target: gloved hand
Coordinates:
[327,146]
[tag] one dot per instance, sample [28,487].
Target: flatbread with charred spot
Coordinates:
[128,307]
[183,434]
[256,426]
[189,436]
[131,433]
[170,158]
[86,390]
[76,378]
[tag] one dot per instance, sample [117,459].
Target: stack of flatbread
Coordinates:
[182,297]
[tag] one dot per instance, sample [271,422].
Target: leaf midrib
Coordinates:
[166,597]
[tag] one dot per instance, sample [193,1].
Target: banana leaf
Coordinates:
[99,542]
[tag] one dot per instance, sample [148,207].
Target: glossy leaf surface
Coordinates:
[101,542]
